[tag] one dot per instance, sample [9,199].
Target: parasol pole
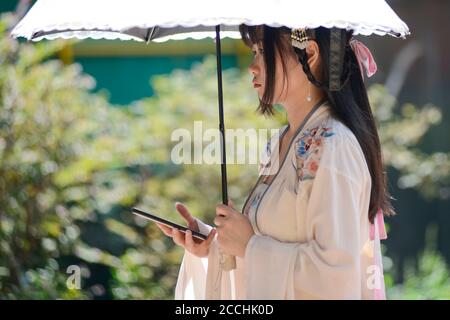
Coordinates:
[228,262]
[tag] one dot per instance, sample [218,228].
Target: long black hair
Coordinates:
[350,104]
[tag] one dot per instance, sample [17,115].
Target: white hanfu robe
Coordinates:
[313,238]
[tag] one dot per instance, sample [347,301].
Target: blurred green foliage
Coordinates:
[71,166]
[429,279]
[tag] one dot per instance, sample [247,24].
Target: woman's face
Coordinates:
[258,71]
[257,68]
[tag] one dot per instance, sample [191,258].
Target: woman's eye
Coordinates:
[260,50]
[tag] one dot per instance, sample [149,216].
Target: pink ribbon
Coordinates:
[381,227]
[377,233]
[364,57]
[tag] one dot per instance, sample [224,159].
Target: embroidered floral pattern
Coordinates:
[308,150]
[254,202]
[266,165]
[265,161]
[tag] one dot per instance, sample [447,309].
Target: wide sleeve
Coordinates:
[191,281]
[327,266]
[203,278]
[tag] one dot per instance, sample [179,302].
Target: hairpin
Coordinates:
[299,38]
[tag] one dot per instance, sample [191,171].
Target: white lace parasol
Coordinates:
[146,20]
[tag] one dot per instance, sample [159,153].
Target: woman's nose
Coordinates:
[252,68]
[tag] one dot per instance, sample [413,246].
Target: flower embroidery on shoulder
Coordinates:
[308,150]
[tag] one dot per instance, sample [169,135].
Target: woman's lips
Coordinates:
[256,85]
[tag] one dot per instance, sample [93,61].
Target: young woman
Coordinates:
[311,226]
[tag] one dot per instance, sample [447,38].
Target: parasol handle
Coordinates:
[227,261]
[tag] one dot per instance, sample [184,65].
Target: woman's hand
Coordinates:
[234,230]
[197,247]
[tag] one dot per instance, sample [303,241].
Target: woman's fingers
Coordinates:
[199,248]
[189,241]
[210,238]
[165,229]
[223,210]
[195,246]
[184,212]
[178,238]
[219,221]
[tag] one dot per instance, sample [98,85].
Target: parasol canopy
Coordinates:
[145,20]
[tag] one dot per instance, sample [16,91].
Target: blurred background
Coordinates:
[85,134]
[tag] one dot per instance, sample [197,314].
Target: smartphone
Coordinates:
[168,223]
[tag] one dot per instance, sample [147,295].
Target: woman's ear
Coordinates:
[313,52]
